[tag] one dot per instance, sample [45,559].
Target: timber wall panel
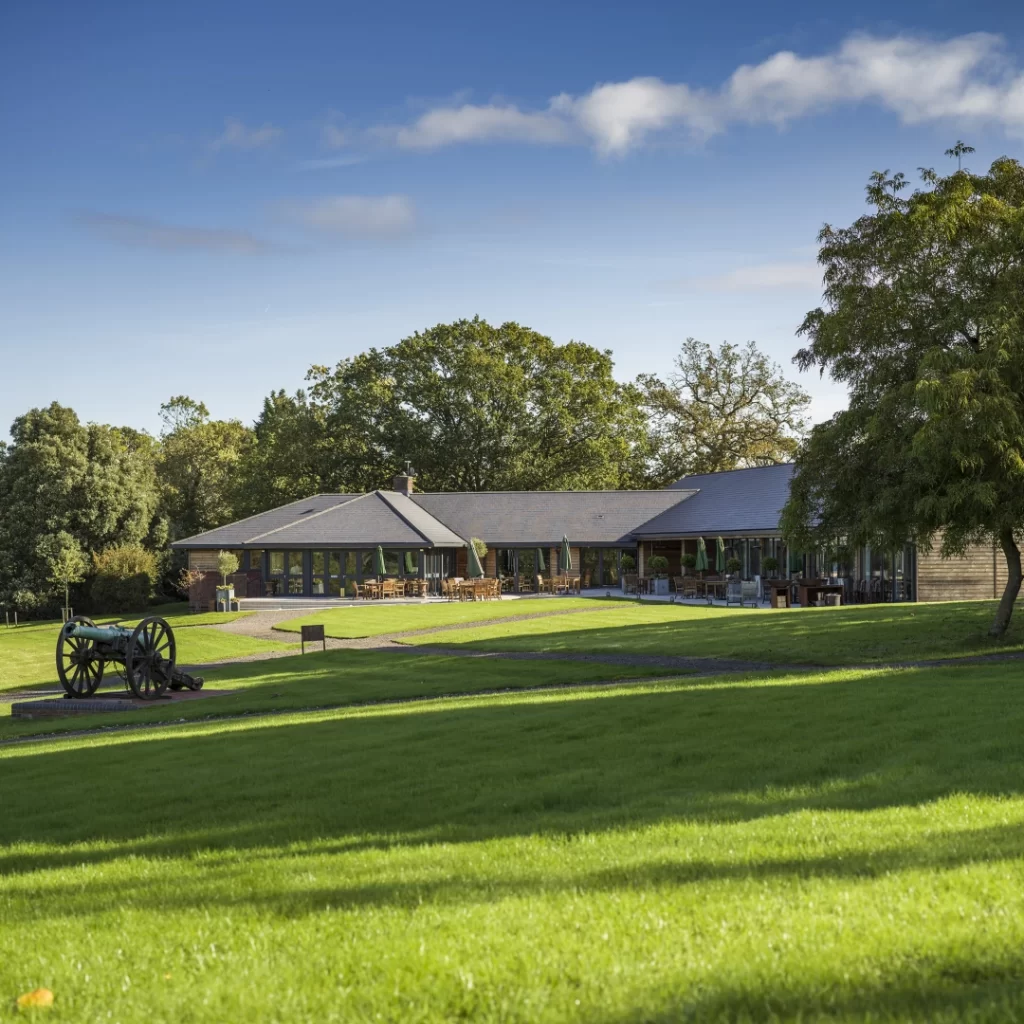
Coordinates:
[200,559]
[972,576]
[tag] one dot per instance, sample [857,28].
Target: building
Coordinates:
[321,545]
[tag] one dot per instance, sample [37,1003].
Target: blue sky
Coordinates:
[209,198]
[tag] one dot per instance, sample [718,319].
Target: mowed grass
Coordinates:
[380,617]
[28,652]
[853,635]
[847,846]
[332,679]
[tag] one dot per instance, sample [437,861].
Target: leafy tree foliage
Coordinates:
[93,483]
[721,409]
[924,322]
[66,565]
[198,461]
[476,407]
[124,578]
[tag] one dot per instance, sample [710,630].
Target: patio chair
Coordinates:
[748,593]
[630,583]
[686,587]
[733,593]
[525,585]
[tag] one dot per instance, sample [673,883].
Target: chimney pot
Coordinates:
[403,483]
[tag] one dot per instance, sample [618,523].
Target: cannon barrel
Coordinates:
[98,634]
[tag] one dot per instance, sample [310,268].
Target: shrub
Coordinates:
[658,564]
[628,563]
[770,564]
[227,565]
[733,565]
[689,561]
[124,578]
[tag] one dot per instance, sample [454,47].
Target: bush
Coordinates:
[124,578]
[733,565]
[628,563]
[689,561]
[658,564]
[770,564]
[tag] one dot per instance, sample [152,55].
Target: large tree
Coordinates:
[478,407]
[198,466]
[88,484]
[723,408]
[924,322]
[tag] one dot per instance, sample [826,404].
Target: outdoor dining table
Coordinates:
[712,588]
[373,589]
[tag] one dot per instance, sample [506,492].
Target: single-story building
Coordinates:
[321,545]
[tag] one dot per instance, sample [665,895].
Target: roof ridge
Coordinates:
[315,515]
[385,496]
[607,490]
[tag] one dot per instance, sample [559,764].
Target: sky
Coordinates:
[209,198]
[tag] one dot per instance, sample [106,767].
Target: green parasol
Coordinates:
[378,562]
[702,555]
[720,555]
[565,556]
[473,567]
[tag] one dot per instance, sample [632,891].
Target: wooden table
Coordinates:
[780,592]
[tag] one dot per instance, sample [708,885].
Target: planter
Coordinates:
[225,595]
[661,587]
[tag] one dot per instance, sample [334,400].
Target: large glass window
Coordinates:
[276,563]
[295,572]
[256,561]
[527,559]
[319,581]
[611,567]
[367,568]
[411,563]
[590,563]
[392,560]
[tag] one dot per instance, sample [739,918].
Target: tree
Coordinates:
[924,321]
[65,563]
[476,407]
[124,578]
[94,482]
[227,565]
[197,466]
[721,409]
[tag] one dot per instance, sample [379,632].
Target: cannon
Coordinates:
[143,657]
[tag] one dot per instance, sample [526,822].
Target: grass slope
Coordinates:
[857,634]
[337,678]
[28,653]
[844,847]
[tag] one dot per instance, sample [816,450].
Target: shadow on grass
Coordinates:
[852,635]
[560,765]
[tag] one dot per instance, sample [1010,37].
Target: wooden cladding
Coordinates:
[977,575]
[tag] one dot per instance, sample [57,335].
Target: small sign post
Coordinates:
[312,634]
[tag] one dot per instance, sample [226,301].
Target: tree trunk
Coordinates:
[1013,581]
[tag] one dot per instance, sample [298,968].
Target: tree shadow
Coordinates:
[561,765]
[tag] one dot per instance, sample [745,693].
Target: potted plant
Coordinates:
[688,562]
[770,565]
[658,564]
[227,565]
[733,566]
[627,564]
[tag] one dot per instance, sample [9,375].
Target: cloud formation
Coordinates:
[916,79]
[154,234]
[237,135]
[760,277]
[362,217]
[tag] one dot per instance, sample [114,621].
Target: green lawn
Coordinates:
[845,846]
[338,678]
[379,617]
[28,653]
[857,634]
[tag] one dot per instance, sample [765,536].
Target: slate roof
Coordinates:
[508,518]
[738,501]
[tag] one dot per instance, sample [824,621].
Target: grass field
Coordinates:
[843,846]
[377,618]
[853,635]
[27,653]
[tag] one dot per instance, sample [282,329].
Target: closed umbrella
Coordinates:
[473,567]
[702,556]
[565,556]
[378,562]
[720,555]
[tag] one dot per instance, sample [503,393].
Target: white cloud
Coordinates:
[155,234]
[359,216]
[760,277]
[332,136]
[967,78]
[237,136]
[468,123]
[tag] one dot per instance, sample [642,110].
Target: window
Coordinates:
[319,581]
[590,562]
[368,569]
[527,560]
[295,572]
[412,566]
[276,563]
[256,561]
[391,562]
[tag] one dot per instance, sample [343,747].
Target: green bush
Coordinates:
[689,561]
[627,563]
[124,576]
[733,565]
[770,564]
[658,564]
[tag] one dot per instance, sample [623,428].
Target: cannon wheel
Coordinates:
[79,667]
[149,658]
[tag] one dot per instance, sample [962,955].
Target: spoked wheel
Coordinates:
[79,668]
[149,660]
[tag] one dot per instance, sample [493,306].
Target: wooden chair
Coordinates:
[630,583]
[525,586]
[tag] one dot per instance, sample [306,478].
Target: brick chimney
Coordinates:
[403,483]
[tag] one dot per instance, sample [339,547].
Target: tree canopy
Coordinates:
[721,409]
[924,322]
